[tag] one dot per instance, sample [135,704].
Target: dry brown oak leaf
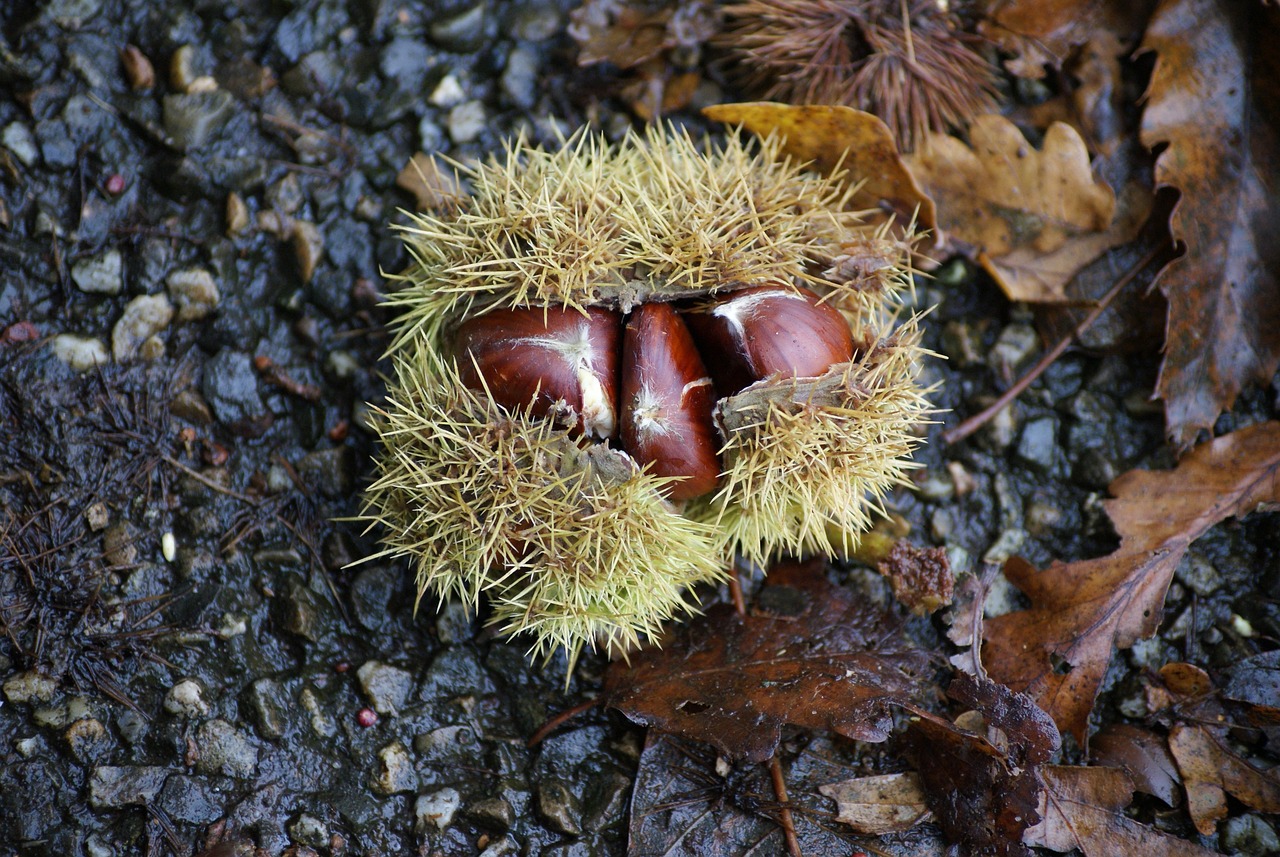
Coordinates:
[1032,218]
[1080,612]
[1084,808]
[1210,768]
[1042,33]
[1214,98]
[809,653]
[835,137]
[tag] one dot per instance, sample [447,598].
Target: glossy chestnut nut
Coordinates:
[666,402]
[769,331]
[564,362]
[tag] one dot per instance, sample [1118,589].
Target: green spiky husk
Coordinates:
[577,546]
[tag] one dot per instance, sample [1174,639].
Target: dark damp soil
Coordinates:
[186,656]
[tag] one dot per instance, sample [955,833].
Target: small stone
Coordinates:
[503,847]
[492,813]
[462,33]
[1015,344]
[387,687]
[119,545]
[97,516]
[1041,517]
[17,138]
[230,387]
[186,73]
[137,68]
[1038,442]
[87,739]
[1197,573]
[192,119]
[1250,836]
[1006,545]
[436,810]
[101,275]
[559,807]
[268,708]
[331,472]
[186,699]
[308,830]
[308,246]
[454,623]
[321,723]
[168,547]
[80,353]
[520,78]
[111,786]
[962,343]
[194,293]
[143,317]
[535,22]
[467,121]
[28,747]
[237,214]
[225,750]
[395,771]
[30,686]
[189,405]
[1000,431]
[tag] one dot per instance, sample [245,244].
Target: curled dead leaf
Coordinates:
[1031,217]
[835,137]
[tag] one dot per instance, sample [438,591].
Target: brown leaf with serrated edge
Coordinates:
[1032,218]
[1214,98]
[1183,695]
[1081,611]
[809,654]
[1043,33]
[881,804]
[1210,770]
[1084,808]
[1143,755]
[836,137]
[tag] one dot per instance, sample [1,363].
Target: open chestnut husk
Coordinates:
[762,393]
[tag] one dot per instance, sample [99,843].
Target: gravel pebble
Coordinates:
[112,786]
[436,810]
[143,318]
[395,772]
[186,699]
[387,687]
[30,686]
[101,274]
[80,353]
[467,121]
[225,750]
[194,293]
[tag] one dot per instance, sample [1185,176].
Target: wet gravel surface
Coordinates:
[189,330]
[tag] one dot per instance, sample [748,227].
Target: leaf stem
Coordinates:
[978,420]
[787,823]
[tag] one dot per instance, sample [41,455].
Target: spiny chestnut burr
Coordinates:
[666,402]
[771,331]
[499,476]
[563,363]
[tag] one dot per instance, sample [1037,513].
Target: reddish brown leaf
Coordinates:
[810,654]
[1029,733]
[1214,98]
[1084,808]
[1143,755]
[978,795]
[921,577]
[1211,770]
[1058,650]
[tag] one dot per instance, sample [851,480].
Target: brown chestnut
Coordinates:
[769,331]
[667,400]
[564,362]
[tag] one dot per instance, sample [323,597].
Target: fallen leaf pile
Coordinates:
[1153,147]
